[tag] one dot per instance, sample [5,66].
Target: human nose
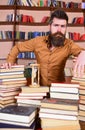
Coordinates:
[59,28]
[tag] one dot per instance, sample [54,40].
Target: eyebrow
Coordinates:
[59,24]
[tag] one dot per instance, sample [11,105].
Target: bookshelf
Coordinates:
[37,12]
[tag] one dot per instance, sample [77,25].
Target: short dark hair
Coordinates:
[61,14]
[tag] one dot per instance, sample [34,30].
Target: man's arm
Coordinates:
[79,66]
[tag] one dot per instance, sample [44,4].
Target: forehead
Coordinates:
[59,21]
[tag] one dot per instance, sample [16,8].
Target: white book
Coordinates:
[64,95]
[28,97]
[56,116]
[17,123]
[33,94]
[64,85]
[64,89]
[29,101]
[58,111]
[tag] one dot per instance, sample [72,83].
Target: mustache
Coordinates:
[57,34]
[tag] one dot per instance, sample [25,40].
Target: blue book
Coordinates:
[35,34]
[18,116]
[10,124]
[22,35]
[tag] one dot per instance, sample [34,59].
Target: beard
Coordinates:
[56,40]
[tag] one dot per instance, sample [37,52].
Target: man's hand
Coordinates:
[79,66]
[7,65]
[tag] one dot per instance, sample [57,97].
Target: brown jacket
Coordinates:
[52,63]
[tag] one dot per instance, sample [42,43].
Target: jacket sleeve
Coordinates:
[75,49]
[26,46]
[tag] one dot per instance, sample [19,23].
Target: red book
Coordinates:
[31,20]
[44,19]
[25,18]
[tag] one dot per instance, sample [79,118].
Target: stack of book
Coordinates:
[14,116]
[31,95]
[11,81]
[60,111]
[81,82]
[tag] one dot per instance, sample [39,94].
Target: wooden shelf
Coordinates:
[7,7]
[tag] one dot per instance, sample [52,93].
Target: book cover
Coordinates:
[12,124]
[12,76]
[58,111]
[15,82]
[13,68]
[68,127]
[29,101]
[28,97]
[47,122]
[12,79]
[60,104]
[64,89]
[7,101]
[62,95]
[27,89]
[10,93]
[64,85]
[16,113]
[57,116]
[33,94]
[10,86]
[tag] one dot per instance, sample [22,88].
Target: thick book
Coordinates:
[11,73]
[67,85]
[13,68]
[10,93]
[29,101]
[62,95]
[5,105]
[57,116]
[16,82]
[11,86]
[68,127]
[27,89]
[47,122]
[33,94]
[28,97]
[16,113]
[60,104]
[14,125]
[12,76]
[12,79]
[81,83]
[58,111]
[82,91]
[82,97]
[81,118]
[82,107]
[7,101]
[81,113]
[81,101]
[64,89]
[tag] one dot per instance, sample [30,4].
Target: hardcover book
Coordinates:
[26,89]
[62,95]
[16,113]
[60,104]
[64,85]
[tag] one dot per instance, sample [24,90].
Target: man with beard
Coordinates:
[51,51]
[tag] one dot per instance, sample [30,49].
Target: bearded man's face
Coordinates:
[56,39]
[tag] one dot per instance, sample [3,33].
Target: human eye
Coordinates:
[55,25]
[63,26]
